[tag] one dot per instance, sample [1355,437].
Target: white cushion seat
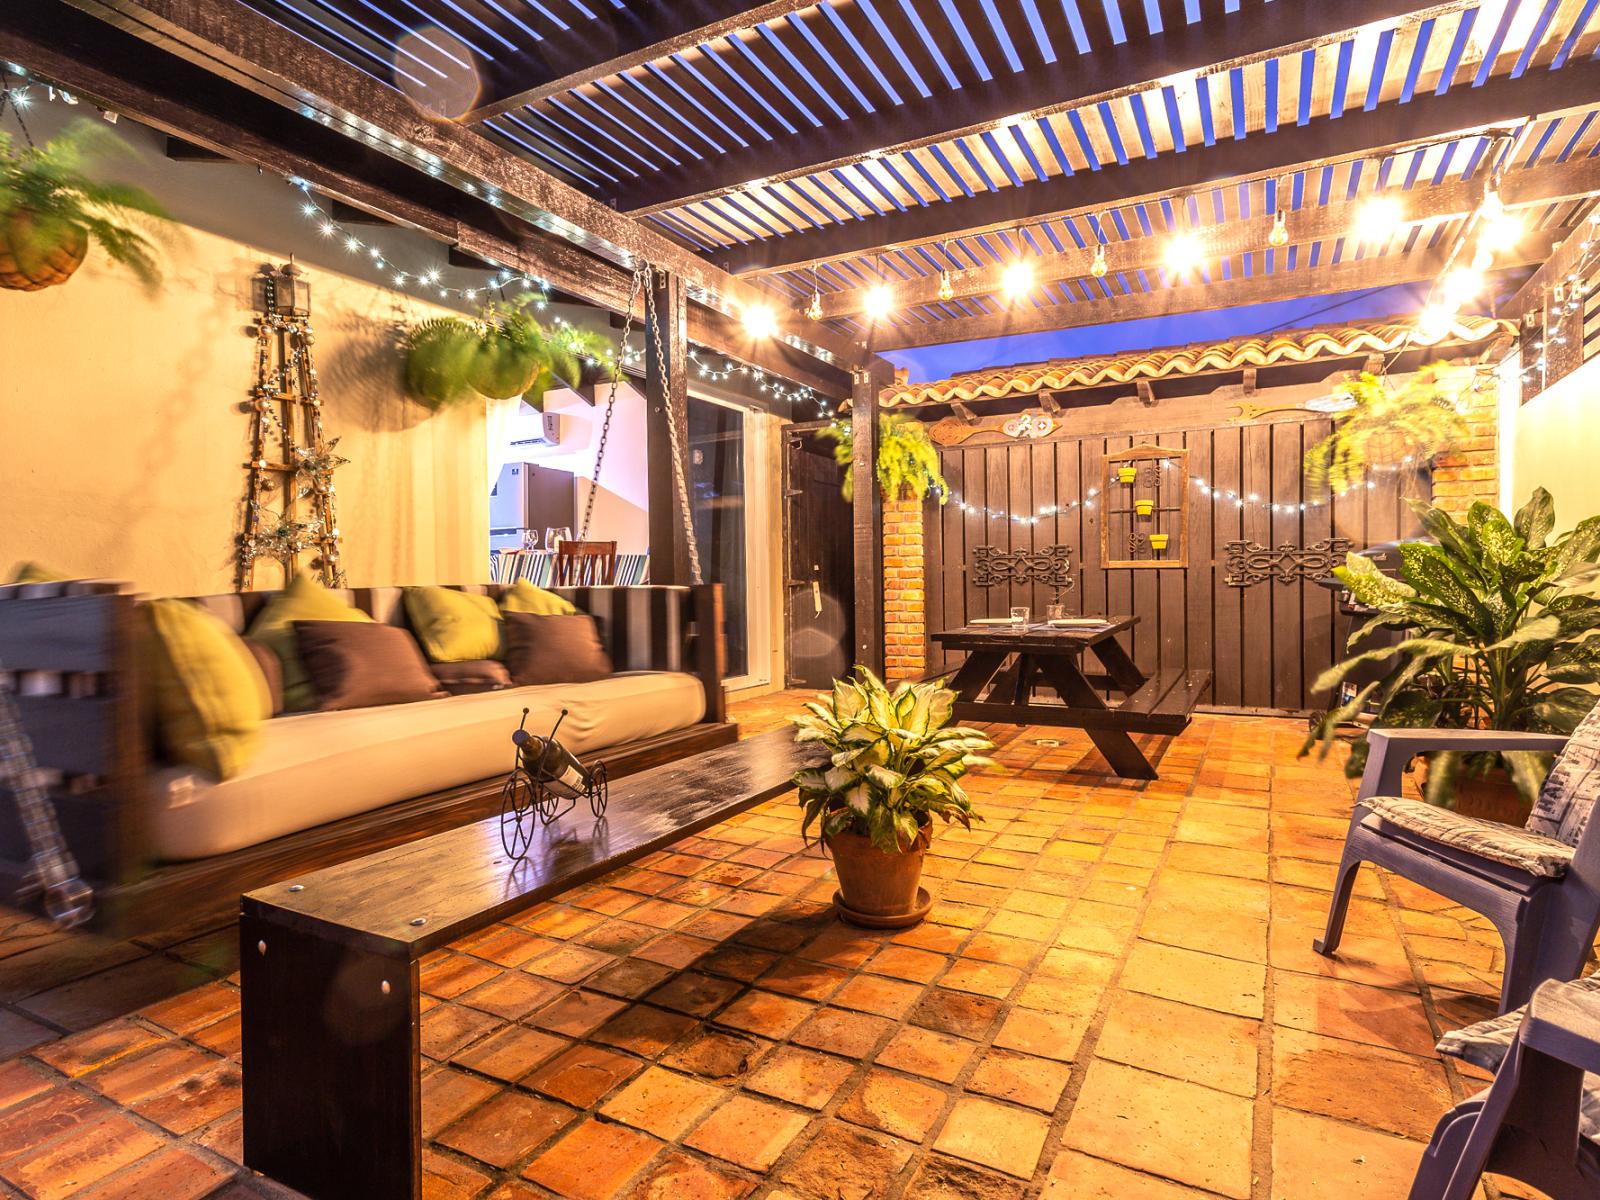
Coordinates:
[318,767]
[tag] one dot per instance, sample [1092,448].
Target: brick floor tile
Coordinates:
[807,980]
[1020,1078]
[926,1053]
[1376,1016]
[643,1030]
[984,978]
[1205,1047]
[1378,961]
[450,1179]
[195,1009]
[874,994]
[506,1129]
[895,1104]
[1049,1035]
[171,1174]
[716,1054]
[619,937]
[506,945]
[678,1176]
[18,1034]
[630,978]
[47,1116]
[676,950]
[98,1047]
[511,995]
[662,1102]
[1328,1160]
[748,1132]
[960,1013]
[449,1028]
[994,1135]
[1078,1177]
[132,1079]
[510,1053]
[1165,1126]
[939,1178]
[577,1013]
[568,963]
[83,1156]
[583,1074]
[737,962]
[800,1076]
[1395,1093]
[694,993]
[19,1082]
[453,974]
[907,962]
[765,1013]
[594,1161]
[844,1163]
[196,1100]
[446,1094]
[1204,980]
[87,1002]
[842,946]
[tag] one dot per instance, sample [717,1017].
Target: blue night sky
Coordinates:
[941,362]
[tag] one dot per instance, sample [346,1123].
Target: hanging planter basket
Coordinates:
[39,252]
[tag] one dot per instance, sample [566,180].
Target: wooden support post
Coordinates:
[866,383]
[1048,402]
[1147,395]
[666,389]
[965,413]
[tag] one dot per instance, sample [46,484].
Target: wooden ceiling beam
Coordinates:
[1388,128]
[1256,32]
[1199,297]
[1535,186]
[242,46]
[618,40]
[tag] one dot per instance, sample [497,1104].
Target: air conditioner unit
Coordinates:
[549,432]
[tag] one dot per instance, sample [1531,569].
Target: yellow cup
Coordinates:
[1158,541]
[1144,507]
[1127,474]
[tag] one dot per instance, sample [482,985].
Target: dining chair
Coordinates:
[585,564]
[1539,884]
[1539,1121]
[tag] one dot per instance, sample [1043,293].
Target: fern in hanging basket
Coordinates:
[908,461]
[1387,428]
[501,353]
[50,211]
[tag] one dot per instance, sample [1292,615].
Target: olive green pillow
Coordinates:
[453,626]
[303,600]
[210,696]
[525,598]
[32,572]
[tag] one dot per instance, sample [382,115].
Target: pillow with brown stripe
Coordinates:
[554,649]
[363,664]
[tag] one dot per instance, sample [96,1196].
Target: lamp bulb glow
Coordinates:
[1098,267]
[1182,254]
[760,321]
[947,288]
[814,309]
[1379,218]
[1017,279]
[879,303]
[1280,231]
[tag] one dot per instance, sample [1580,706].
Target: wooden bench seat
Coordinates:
[329,962]
[1164,702]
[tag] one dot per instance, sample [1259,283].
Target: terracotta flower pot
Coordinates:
[878,889]
[1492,797]
[1127,474]
[1144,507]
[37,253]
[1158,541]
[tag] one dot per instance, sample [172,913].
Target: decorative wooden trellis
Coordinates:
[289,452]
[1145,494]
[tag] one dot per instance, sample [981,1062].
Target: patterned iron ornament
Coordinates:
[1250,563]
[1050,567]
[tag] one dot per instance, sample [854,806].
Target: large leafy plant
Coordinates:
[908,461]
[896,761]
[1501,622]
[50,208]
[500,353]
[1385,427]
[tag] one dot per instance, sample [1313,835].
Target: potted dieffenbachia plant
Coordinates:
[1502,631]
[896,764]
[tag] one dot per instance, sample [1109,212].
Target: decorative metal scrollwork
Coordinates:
[1050,567]
[1250,563]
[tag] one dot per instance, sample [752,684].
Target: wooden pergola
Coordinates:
[873,170]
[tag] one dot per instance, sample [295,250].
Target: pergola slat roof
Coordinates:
[829,147]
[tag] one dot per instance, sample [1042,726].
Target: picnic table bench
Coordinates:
[1006,664]
[329,962]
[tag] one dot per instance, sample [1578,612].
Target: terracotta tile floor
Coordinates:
[1114,997]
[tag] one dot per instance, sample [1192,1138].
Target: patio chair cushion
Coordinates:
[1486,1044]
[1572,787]
[1530,852]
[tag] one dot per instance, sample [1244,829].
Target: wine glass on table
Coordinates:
[555,535]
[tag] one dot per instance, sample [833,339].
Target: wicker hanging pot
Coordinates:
[38,251]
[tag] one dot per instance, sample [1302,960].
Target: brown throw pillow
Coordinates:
[271,667]
[465,678]
[555,649]
[361,664]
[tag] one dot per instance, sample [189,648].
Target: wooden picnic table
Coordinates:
[1006,665]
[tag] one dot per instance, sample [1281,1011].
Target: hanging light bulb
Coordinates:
[1098,267]
[814,309]
[1378,219]
[947,288]
[1183,254]
[1017,279]
[1279,237]
[760,321]
[879,303]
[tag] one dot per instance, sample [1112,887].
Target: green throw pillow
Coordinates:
[525,598]
[210,697]
[453,626]
[303,600]
[32,572]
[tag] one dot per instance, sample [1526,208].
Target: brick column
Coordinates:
[904,624]
[1472,472]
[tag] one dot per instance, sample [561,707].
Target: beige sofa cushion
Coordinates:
[319,767]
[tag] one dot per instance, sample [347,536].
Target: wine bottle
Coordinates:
[551,763]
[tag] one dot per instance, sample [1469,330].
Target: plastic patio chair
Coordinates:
[1539,885]
[1539,1122]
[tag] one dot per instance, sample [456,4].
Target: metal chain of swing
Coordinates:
[643,281]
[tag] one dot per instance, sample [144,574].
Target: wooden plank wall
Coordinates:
[1263,644]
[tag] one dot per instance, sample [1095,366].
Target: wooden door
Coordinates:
[1264,643]
[819,574]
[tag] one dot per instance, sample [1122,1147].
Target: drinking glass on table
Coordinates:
[1019,614]
[1055,612]
[555,535]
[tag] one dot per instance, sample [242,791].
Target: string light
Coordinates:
[1098,267]
[1279,237]
[947,288]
